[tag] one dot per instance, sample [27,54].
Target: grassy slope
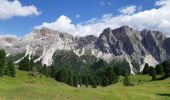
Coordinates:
[24,87]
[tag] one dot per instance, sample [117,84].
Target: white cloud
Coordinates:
[62,24]
[128,10]
[153,19]
[77,16]
[9,9]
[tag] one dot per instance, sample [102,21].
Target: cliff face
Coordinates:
[124,43]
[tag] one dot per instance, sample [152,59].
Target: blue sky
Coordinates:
[78,11]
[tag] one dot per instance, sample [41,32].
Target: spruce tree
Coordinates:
[45,71]
[105,81]
[111,75]
[70,78]
[146,69]
[75,80]
[62,75]
[31,64]
[11,67]
[118,70]
[6,71]
[90,79]
[79,80]
[2,61]
[24,64]
[152,73]
[85,80]
[52,71]
[166,66]
[94,83]
[159,69]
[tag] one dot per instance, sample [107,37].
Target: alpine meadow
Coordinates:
[84,50]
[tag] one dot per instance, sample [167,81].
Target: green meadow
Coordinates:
[26,87]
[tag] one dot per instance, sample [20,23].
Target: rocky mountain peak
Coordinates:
[121,44]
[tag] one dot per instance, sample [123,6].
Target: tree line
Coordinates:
[160,69]
[102,74]
[6,66]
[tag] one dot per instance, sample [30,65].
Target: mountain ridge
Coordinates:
[120,44]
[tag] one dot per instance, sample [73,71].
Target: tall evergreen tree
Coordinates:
[70,78]
[85,80]
[94,84]
[79,80]
[118,70]
[24,64]
[152,73]
[11,67]
[110,74]
[146,69]
[159,69]
[31,64]
[62,75]
[99,64]
[45,71]
[52,71]
[75,80]
[6,71]
[105,81]
[90,79]
[2,61]
[166,66]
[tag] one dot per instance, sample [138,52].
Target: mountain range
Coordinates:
[121,44]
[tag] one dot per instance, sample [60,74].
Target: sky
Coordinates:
[82,17]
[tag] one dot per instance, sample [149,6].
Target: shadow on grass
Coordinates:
[164,94]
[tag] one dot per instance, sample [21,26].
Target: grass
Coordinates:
[25,87]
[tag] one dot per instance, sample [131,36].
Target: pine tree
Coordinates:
[70,78]
[24,64]
[2,61]
[90,79]
[52,71]
[159,69]
[99,64]
[11,67]
[105,81]
[75,80]
[32,64]
[80,80]
[166,66]
[85,80]
[146,69]
[111,75]
[118,70]
[94,84]
[45,71]
[152,73]
[6,72]
[62,75]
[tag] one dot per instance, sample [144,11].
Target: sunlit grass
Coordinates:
[25,87]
